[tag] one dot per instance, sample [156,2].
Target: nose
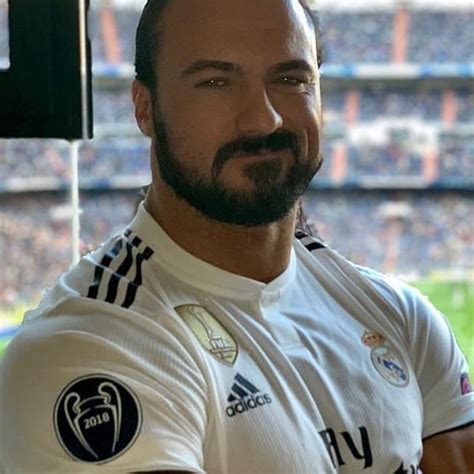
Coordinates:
[257,115]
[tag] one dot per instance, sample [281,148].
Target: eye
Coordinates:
[295,83]
[292,80]
[214,83]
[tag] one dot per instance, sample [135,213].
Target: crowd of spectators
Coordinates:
[95,35]
[441,37]
[33,158]
[392,159]
[127,21]
[381,103]
[456,157]
[422,233]
[357,37]
[35,237]
[367,37]
[465,105]
[114,156]
[433,233]
[113,105]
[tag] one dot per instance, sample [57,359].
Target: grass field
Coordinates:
[454,299]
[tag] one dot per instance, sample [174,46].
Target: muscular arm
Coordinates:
[449,452]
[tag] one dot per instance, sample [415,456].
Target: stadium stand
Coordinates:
[373,42]
[452,42]
[465,106]
[399,155]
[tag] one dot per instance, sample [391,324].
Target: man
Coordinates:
[206,337]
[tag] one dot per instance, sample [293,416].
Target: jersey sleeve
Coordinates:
[440,366]
[441,369]
[74,400]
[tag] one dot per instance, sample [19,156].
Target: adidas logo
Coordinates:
[244,396]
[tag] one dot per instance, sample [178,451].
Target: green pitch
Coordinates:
[455,300]
[3,345]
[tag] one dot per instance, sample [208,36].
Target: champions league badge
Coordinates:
[212,336]
[385,360]
[96,419]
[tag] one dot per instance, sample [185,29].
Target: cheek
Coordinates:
[308,124]
[198,133]
[193,145]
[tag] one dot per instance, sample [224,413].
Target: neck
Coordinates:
[260,253]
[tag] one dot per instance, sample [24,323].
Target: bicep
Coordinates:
[449,452]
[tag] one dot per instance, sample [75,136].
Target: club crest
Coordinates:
[386,361]
[97,418]
[210,333]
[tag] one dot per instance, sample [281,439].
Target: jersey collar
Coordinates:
[199,274]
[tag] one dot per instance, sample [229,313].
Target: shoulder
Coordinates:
[116,272]
[398,300]
[114,277]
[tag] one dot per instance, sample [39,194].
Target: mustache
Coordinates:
[253,146]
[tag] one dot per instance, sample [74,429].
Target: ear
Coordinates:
[143,102]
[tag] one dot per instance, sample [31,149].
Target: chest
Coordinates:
[310,389]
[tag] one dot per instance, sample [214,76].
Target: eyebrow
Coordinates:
[225,66]
[205,64]
[293,65]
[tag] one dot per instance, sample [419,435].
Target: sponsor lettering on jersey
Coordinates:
[385,359]
[211,334]
[97,419]
[245,396]
[359,446]
[332,441]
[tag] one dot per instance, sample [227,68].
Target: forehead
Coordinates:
[236,30]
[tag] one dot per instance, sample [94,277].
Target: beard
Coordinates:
[271,197]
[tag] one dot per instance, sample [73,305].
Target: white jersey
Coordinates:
[145,358]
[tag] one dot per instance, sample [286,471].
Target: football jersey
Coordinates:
[144,357]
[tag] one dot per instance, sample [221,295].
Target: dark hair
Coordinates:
[146,41]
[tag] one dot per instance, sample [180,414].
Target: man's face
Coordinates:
[237,112]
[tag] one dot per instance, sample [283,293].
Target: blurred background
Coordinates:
[395,192]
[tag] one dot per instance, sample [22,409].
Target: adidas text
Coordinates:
[248,403]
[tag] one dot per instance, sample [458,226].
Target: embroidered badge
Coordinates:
[210,333]
[97,418]
[386,361]
[466,386]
